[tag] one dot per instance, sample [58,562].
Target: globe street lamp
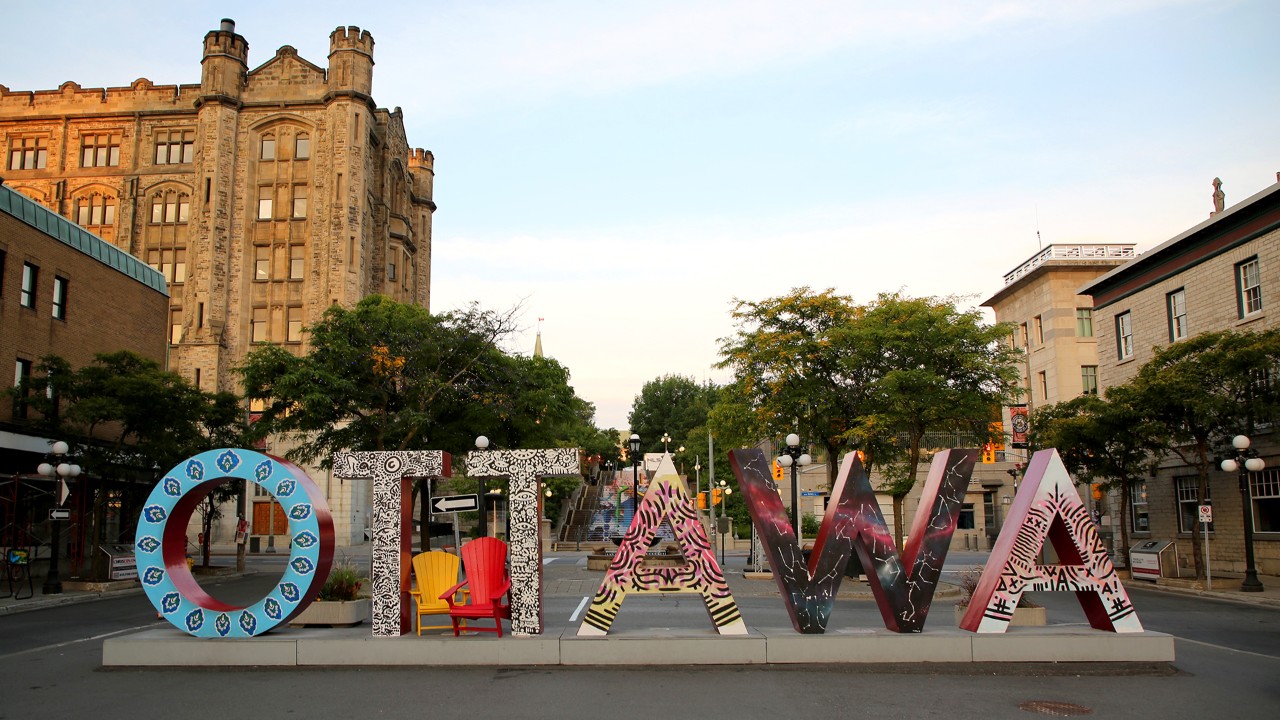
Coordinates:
[665,439]
[64,470]
[792,457]
[482,444]
[1246,461]
[634,444]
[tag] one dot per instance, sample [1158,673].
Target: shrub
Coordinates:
[344,582]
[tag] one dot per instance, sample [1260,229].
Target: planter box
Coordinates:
[1021,616]
[333,613]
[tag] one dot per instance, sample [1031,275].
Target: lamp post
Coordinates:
[1246,461]
[482,444]
[792,457]
[64,470]
[725,493]
[665,439]
[697,478]
[633,444]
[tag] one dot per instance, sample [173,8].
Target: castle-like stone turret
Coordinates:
[351,61]
[225,63]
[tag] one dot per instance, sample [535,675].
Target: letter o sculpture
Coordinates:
[160,546]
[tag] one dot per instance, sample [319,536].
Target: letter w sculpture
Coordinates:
[853,523]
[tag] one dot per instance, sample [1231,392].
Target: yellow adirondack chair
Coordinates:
[434,572]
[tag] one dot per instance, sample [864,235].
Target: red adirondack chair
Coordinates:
[484,560]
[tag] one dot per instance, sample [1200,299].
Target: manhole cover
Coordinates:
[1054,708]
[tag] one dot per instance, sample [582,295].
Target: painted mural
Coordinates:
[666,500]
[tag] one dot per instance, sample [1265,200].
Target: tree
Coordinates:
[1200,392]
[381,376]
[671,404]
[798,368]
[130,421]
[862,377]
[391,376]
[935,368]
[1105,441]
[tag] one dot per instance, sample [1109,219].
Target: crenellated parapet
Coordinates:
[351,38]
[420,158]
[71,98]
[225,63]
[351,62]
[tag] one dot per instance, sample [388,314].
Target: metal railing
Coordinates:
[1072,252]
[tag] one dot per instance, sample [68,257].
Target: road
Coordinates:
[1228,666]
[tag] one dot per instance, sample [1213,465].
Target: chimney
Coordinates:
[228,25]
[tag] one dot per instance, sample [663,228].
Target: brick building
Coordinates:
[262,195]
[62,292]
[1223,274]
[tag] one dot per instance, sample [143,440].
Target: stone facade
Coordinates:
[1041,299]
[1189,285]
[263,195]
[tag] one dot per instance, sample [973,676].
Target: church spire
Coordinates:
[537,344]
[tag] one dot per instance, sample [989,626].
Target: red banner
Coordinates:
[1019,424]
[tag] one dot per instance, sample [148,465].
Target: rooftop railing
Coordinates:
[1112,251]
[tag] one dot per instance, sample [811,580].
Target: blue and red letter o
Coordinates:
[160,546]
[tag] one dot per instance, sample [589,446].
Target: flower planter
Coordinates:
[335,613]
[1021,615]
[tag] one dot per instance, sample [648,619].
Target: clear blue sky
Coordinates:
[628,168]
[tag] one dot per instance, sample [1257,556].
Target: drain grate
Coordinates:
[1055,708]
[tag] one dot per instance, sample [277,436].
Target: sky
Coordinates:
[627,170]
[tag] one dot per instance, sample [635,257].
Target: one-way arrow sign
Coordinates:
[455,503]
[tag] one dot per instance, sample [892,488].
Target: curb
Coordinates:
[1239,597]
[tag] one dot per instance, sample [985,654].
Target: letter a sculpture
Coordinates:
[666,499]
[1048,508]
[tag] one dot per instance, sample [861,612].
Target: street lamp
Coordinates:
[1246,461]
[64,470]
[634,444]
[482,444]
[665,439]
[725,493]
[792,457]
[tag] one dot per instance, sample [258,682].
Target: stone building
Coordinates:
[263,195]
[1054,328]
[1223,274]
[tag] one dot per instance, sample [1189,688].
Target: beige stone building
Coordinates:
[1223,274]
[1054,322]
[264,195]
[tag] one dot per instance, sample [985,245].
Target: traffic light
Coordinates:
[988,454]
[702,500]
[777,470]
[716,495]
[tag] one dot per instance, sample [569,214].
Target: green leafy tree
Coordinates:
[130,421]
[799,366]
[936,367]
[391,376]
[1104,441]
[1200,392]
[671,404]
